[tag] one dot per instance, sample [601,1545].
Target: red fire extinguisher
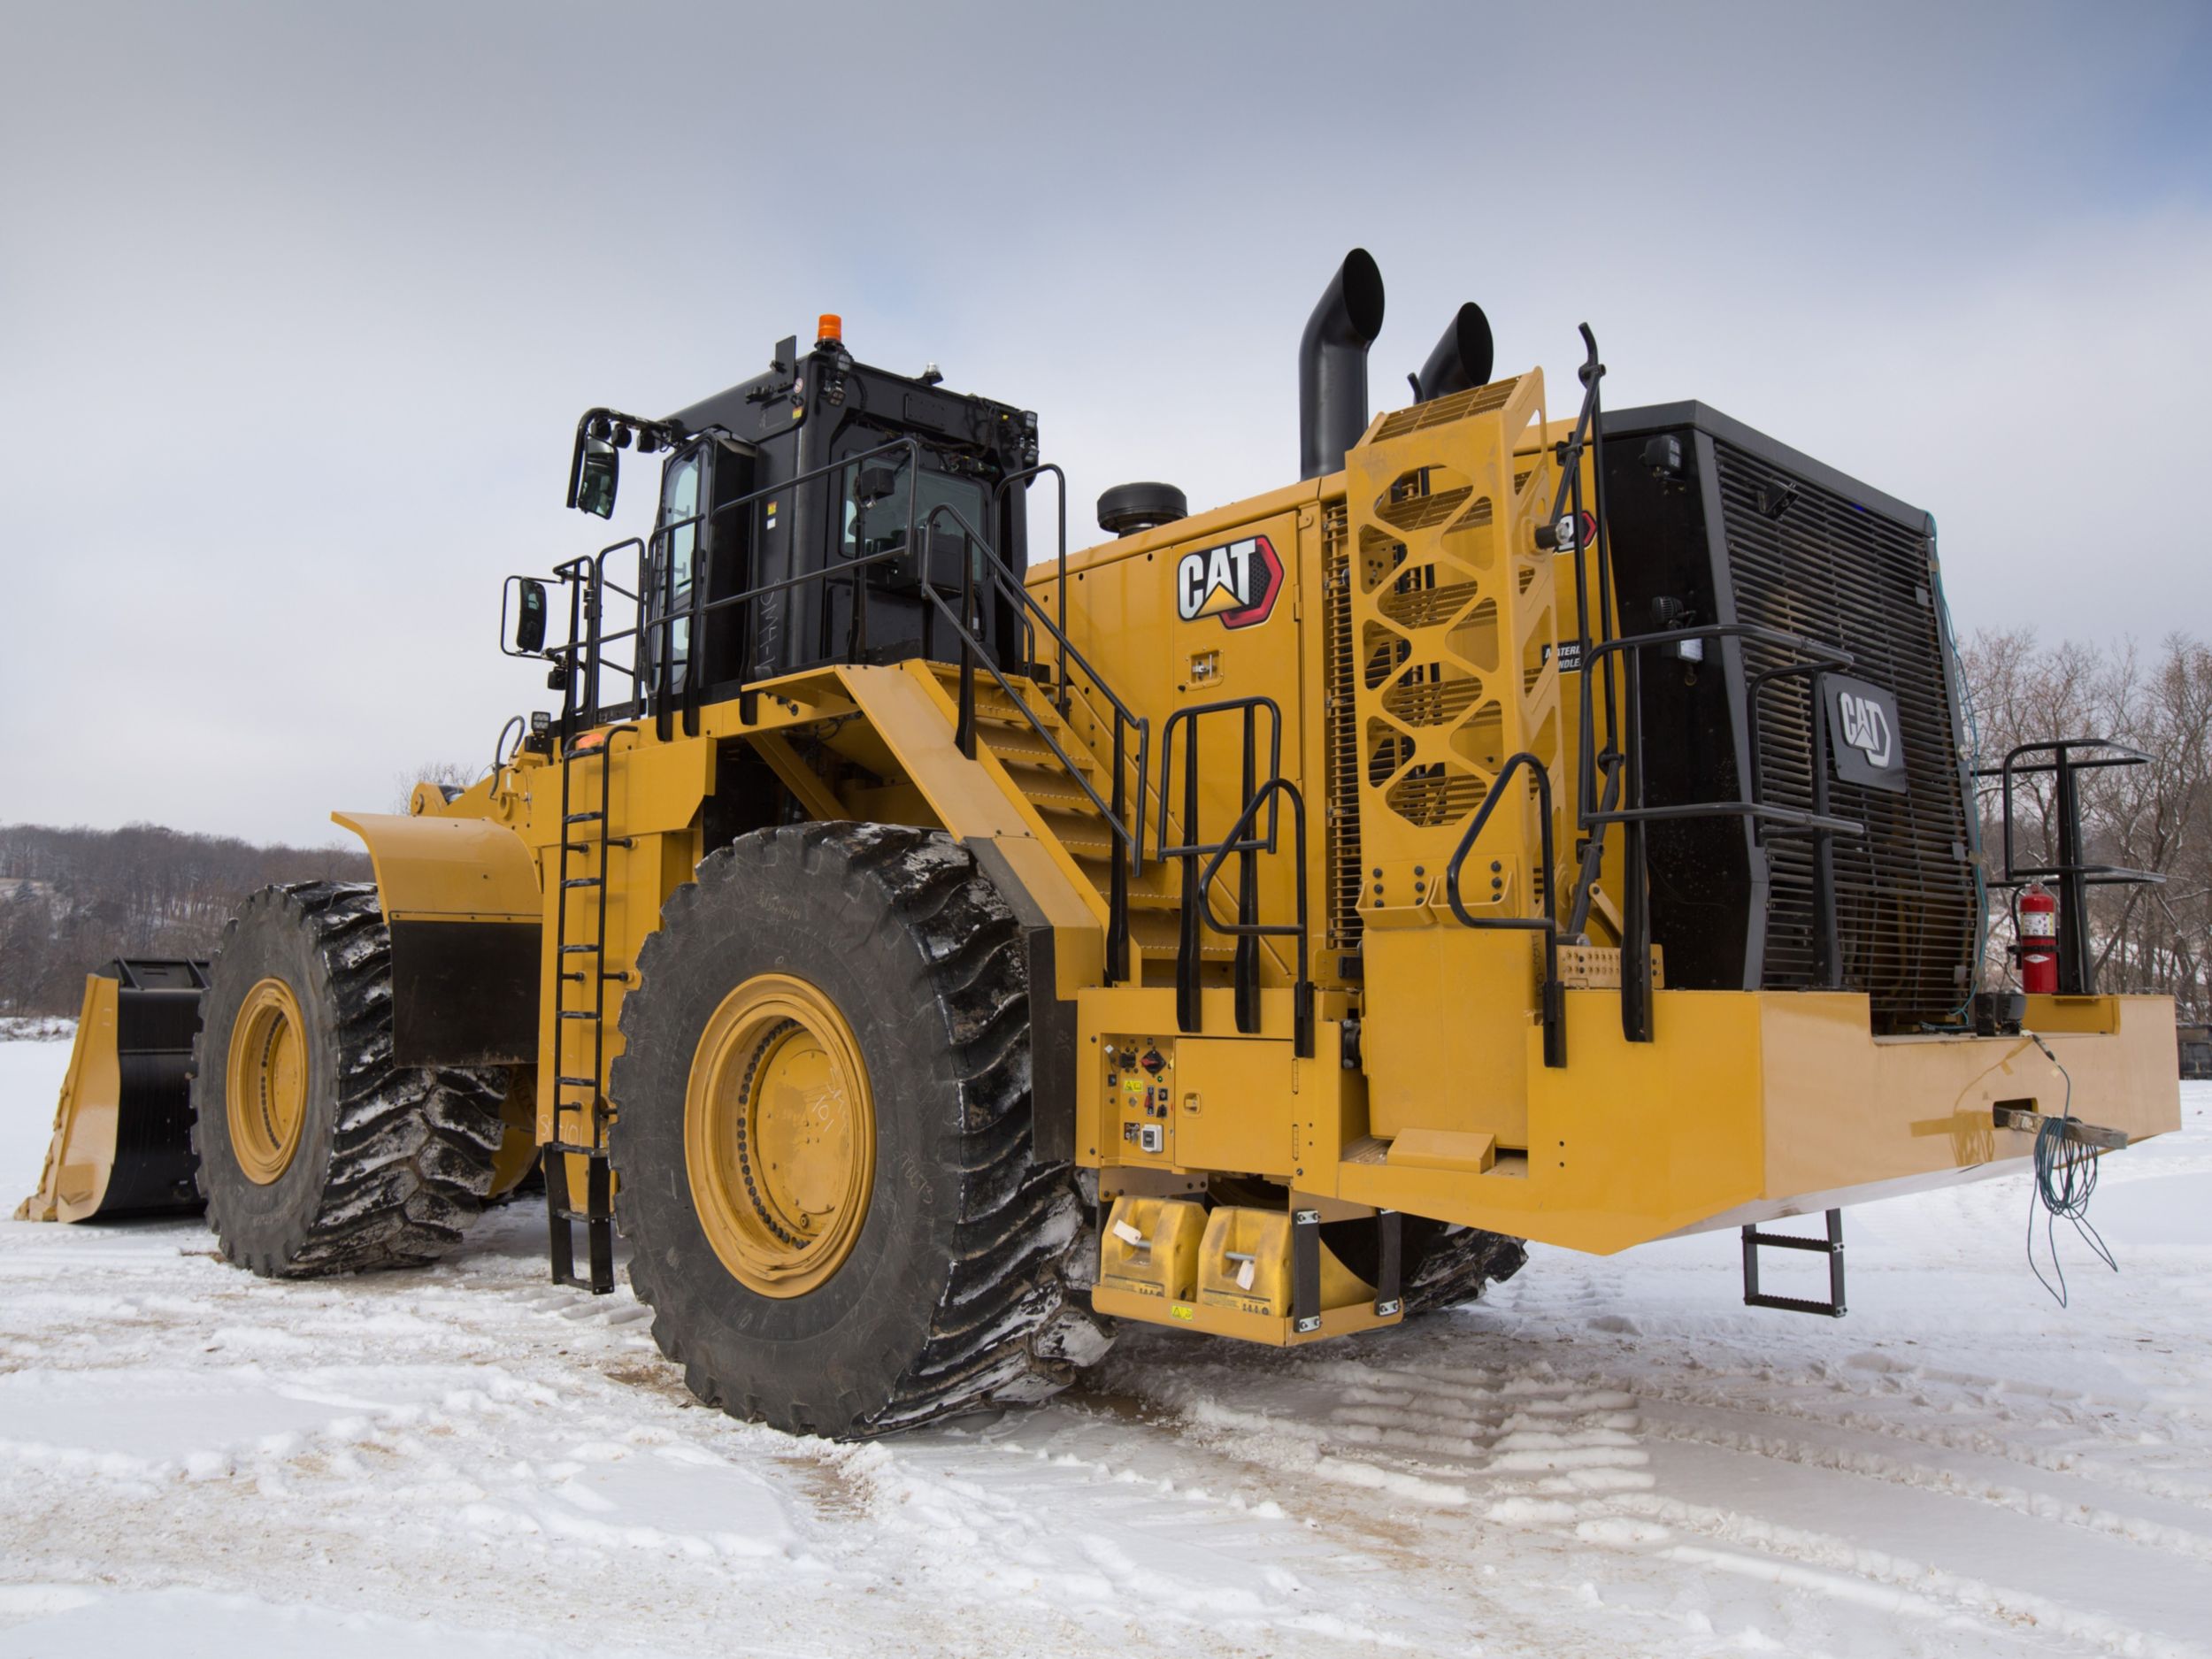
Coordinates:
[2038,940]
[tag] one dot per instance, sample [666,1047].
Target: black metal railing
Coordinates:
[1610,777]
[660,686]
[1246,843]
[1552,1001]
[2073,871]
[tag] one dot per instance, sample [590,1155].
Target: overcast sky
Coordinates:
[299,303]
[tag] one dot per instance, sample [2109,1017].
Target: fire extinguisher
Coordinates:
[2037,941]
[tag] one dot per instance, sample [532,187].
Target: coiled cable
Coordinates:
[2065,1181]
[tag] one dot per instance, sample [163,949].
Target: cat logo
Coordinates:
[1866,727]
[1864,738]
[1237,581]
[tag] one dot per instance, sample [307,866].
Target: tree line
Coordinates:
[70,899]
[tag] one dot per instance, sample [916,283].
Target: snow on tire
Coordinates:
[382,1165]
[951,1295]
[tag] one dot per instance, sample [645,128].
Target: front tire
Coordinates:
[822,1140]
[317,1156]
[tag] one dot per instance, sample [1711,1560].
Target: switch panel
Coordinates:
[1139,1093]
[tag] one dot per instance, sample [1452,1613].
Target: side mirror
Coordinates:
[530,618]
[595,480]
[876,483]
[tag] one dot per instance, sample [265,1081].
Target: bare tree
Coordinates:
[2154,817]
[447,774]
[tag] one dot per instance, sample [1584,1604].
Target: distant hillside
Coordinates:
[70,899]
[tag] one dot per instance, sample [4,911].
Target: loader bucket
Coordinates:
[122,1139]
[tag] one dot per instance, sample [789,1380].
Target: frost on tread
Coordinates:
[394,1161]
[1459,1265]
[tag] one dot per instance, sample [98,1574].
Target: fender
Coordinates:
[462,901]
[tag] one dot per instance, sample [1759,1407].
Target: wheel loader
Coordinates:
[930,951]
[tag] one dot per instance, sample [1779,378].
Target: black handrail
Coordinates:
[1060,570]
[2076,968]
[1589,432]
[1189,1013]
[589,640]
[1554,1000]
[1245,928]
[1815,655]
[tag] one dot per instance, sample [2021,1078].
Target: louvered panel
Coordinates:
[1828,569]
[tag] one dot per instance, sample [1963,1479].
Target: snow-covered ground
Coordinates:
[1609,1457]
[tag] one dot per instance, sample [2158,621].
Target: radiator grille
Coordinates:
[1341,813]
[1829,570]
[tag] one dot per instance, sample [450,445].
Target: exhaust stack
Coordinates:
[1333,365]
[1462,359]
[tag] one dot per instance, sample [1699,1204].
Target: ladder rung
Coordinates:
[578,1013]
[576,1149]
[578,1082]
[583,881]
[583,818]
[578,951]
[585,1216]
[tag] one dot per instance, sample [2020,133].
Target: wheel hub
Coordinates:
[266,1085]
[780,1135]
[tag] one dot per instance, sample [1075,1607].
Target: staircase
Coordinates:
[1155,912]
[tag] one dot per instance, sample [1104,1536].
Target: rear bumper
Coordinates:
[1752,1105]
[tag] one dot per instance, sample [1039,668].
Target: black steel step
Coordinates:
[585,881]
[583,818]
[580,1013]
[573,950]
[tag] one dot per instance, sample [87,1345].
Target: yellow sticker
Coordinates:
[1182,1311]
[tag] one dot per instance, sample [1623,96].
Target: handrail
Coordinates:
[1001,576]
[1553,1000]
[1814,656]
[652,668]
[1061,562]
[1589,432]
[1189,1008]
[1302,987]
[2077,970]
[1192,713]
[1115,816]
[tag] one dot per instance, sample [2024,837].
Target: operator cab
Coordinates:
[804,519]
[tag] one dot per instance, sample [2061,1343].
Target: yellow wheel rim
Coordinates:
[266,1090]
[780,1135]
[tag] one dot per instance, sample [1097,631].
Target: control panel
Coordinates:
[1140,1090]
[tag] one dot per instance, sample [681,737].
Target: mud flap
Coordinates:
[122,1141]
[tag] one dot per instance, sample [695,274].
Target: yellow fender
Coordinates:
[462,901]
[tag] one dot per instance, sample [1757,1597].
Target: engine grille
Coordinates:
[1827,569]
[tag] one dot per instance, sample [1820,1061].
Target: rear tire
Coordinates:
[924,1277]
[366,1165]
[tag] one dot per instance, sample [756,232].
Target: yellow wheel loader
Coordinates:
[928,951]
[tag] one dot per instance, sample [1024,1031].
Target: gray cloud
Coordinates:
[298,305]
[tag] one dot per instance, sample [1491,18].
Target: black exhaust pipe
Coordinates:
[1462,359]
[1333,365]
